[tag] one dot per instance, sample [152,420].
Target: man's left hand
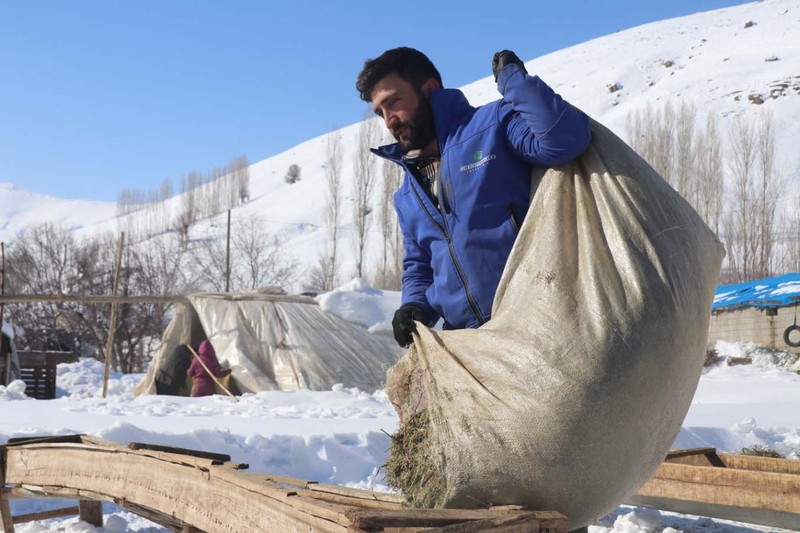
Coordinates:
[503,58]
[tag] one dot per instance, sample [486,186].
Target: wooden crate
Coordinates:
[38,371]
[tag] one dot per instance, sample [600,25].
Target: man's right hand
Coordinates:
[403,323]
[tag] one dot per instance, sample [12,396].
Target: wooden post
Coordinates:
[7,373]
[6,520]
[113,319]
[228,256]
[91,512]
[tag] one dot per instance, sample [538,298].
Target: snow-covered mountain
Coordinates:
[734,62]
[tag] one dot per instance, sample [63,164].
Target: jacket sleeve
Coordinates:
[195,370]
[417,274]
[213,365]
[541,127]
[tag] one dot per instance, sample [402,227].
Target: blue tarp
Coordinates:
[780,291]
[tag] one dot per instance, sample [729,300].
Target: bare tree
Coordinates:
[739,228]
[258,259]
[363,184]
[327,271]
[241,173]
[390,272]
[769,184]
[792,237]
[188,213]
[709,174]
[47,259]
[684,165]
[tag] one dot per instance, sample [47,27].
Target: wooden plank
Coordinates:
[527,523]
[695,456]
[761,464]
[764,517]
[191,493]
[348,500]
[46,515]
[220,457]
[194,496]
[77,439]
[377,518]
[760,497]
[726,486]
[356,493]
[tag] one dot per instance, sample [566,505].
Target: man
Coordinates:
[467,182]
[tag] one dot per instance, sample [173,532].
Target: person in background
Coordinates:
[203,383]
[170,376]
[467,184]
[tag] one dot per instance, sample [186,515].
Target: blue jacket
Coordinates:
[455,254]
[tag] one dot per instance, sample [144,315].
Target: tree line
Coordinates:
[49,259]
[144,214]
[733,180]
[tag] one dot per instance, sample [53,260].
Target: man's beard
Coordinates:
[421,130]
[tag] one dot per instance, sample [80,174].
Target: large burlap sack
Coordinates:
[570,397]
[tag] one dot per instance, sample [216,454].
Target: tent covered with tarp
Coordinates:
[277,342]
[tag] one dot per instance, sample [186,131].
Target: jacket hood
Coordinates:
[206,350]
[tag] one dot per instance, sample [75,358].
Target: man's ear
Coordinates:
[430,83]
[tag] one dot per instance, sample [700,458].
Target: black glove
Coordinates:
[506,57]
[403,323]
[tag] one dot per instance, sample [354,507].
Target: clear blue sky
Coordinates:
[101,95]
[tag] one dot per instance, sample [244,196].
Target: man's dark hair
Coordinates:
[411,65]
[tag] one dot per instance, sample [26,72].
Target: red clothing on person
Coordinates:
[203,383]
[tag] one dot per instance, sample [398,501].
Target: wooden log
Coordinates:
[46,515]
[90,298]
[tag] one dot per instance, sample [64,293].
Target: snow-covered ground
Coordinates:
[340,436]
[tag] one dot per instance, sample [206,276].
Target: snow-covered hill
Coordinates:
[733,62]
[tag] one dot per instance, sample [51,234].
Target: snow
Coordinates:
[340,436]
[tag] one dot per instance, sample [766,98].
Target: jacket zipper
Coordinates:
[446,234]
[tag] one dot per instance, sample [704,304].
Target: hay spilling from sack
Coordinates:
[411,467]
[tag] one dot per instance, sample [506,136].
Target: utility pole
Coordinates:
[113,321]
[228,256]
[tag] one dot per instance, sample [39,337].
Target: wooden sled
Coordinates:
[744,488]
[189,491]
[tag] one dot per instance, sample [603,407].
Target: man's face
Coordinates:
[405,110]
